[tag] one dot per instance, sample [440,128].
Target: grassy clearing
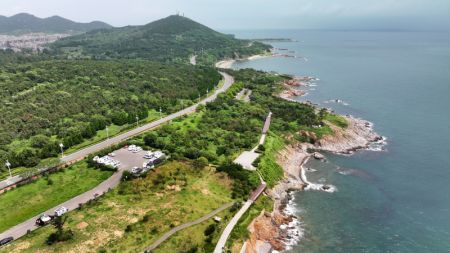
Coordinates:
[46,193]
[336,120]
[240,232]
[268,166]
[197,237]
[136,213]
[320,132]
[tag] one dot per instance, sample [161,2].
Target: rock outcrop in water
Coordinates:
[358,135]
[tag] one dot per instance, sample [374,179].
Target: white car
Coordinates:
[158,154]
[136,170]
[148,155]
[131,147]
[61,211]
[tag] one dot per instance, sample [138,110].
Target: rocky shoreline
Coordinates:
[280,229]
[290,89]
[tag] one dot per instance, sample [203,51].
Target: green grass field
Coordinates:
[24,202]
[173,194]
[336,120]
[268,166]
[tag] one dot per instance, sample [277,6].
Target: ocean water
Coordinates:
[396,200]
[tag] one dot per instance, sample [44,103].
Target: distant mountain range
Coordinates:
[174,37]
[26,23]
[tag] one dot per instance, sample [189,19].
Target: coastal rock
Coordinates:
[290,93]
[358,134]
[310,136]
[267,233]
[318,156]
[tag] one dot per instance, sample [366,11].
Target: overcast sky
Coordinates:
[250,14]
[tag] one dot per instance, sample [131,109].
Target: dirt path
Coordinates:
[186,225]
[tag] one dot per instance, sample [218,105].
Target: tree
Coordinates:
[200,162]
[60,234]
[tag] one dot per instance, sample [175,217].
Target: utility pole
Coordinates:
[62,149]
[8,164]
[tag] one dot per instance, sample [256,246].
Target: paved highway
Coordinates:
[21,229]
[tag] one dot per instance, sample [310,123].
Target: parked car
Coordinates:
[148,155]
[136,170]
[43,220]
[61,211]
[137,150]
[6,240]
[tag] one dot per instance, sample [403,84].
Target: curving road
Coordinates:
[21,229]
[186,225]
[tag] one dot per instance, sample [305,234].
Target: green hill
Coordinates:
[168,39]
[26,23]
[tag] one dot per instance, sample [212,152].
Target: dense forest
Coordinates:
[47,102]
[174,38]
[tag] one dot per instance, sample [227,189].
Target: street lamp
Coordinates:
[160,112]
[207,91]
[62,149]
[137,120]
[8,164]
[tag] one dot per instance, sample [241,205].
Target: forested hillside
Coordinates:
[43,103]
[170,39]
[27,23]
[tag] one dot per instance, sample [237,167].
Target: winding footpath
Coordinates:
[29,225]
[186,225]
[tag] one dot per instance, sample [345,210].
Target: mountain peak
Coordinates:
[173,37]
[27,23]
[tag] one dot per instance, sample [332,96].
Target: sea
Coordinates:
[391,198]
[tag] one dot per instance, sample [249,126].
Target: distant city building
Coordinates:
[33,41]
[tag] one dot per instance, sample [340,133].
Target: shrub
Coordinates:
[210,229]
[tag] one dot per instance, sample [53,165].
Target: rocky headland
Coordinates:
[280,229]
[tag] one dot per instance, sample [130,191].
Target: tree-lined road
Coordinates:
[21,229]
[228,81]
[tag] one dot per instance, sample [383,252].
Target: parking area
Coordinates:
[129,159]
[246,159]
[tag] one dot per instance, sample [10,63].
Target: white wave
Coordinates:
[345,172]
[295,232]
[379,145]
[315,186]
